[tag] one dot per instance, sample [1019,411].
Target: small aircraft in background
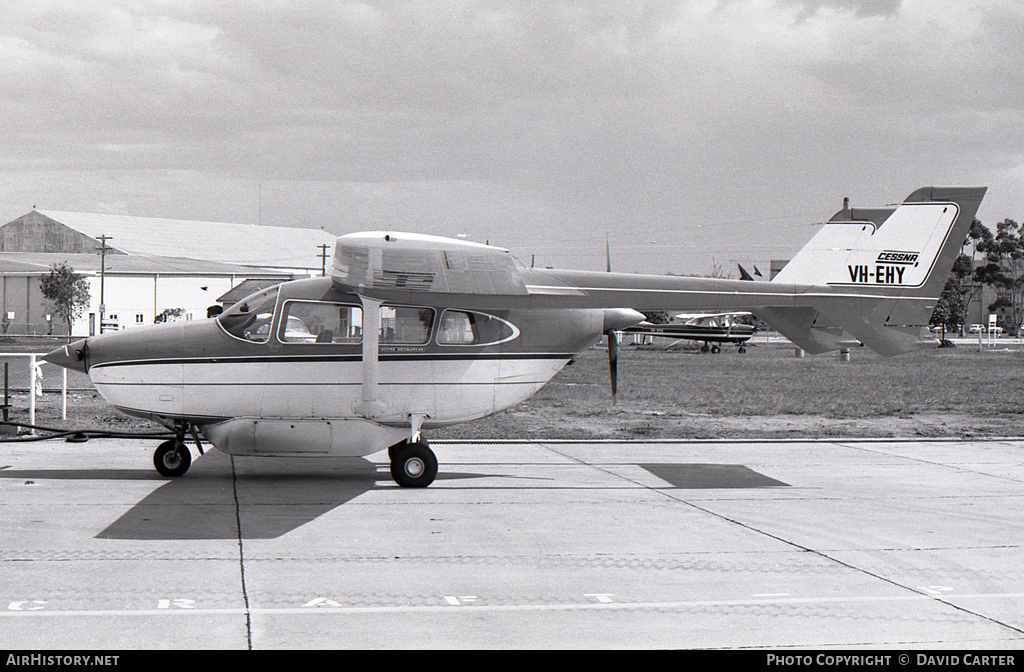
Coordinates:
[709,328]
[413,332]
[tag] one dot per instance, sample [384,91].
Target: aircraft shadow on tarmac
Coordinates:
[266,498]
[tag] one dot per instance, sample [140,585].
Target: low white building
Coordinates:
[151,265]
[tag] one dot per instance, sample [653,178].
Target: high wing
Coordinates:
[869,275]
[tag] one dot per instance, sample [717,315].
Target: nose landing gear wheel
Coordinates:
[172,458]
[413,465]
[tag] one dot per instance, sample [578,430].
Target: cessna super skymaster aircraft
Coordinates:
[413,332]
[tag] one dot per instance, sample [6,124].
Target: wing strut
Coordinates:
[370,405]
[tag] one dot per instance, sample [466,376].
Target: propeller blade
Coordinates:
[613,362]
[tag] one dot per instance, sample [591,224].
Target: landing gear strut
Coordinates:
[172,457]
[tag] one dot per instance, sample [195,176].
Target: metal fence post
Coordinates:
[32,392]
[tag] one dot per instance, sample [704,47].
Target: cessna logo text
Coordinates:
[887,270]
[890,257]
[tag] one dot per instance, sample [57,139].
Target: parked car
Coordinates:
[975,329]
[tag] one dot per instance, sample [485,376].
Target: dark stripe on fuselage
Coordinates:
[490,383]
[403,357]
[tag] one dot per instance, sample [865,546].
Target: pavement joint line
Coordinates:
[241,553]
[811,439]
[957,466]
[671,495]
[477,607]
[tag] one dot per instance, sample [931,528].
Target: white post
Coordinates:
[32,391]
[64,395]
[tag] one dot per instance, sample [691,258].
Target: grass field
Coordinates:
[769,392]
[680,393]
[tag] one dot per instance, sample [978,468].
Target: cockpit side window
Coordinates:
[250,319]
[405,325]
[321,322]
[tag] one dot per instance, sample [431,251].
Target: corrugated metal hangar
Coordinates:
[151,265]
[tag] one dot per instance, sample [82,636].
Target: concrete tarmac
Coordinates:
[697,544]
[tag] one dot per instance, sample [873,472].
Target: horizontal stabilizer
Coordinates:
[807,328]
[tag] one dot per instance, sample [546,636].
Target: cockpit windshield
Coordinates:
[251,317]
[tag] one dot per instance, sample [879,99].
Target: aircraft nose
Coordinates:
[71,356]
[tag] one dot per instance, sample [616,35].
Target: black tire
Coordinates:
[414,466]
[172,458]
[393,450]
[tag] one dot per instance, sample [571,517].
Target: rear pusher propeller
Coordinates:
[615,320]
[613,363]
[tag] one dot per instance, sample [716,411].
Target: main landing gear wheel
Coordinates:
[413,465]
[172,458]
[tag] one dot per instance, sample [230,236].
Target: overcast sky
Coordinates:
[684,132]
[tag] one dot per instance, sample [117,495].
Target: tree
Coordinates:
[1004,270]
[67,291]
[951,310]
[977,237]
[169,315]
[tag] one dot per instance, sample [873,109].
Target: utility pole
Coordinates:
[323,258]
[103,269]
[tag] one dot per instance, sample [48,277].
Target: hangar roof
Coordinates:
[120,264]
[241,244]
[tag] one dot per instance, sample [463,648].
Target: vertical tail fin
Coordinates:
[880,272]
[909,246]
